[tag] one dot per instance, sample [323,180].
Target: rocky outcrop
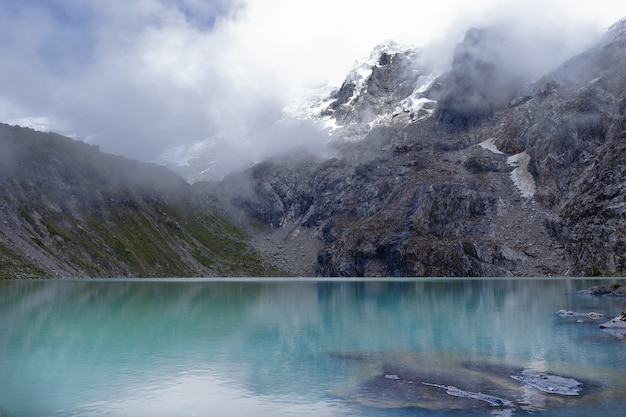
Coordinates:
[388,77]
[615,289]
[590,315]
[393,81]
[616,323]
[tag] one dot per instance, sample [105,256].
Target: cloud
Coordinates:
[140,78]
[132,76]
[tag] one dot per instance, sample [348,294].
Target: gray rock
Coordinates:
[616,323]
[590,315]
[608,290]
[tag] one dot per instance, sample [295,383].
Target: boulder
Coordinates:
[590,315]
[616,323]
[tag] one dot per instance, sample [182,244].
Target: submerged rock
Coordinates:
[618,332]
[456,392]
[395,391]
[419,380]
[551,384]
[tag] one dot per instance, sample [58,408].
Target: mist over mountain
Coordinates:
[514,45]
[492,165]
[68,210]
[477,170]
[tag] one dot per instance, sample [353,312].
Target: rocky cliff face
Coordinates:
[501,178]
[68,210]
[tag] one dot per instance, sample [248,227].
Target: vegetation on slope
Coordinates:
[66,209]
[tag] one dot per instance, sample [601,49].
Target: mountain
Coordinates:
[477,171]
[68,210]
[392,82]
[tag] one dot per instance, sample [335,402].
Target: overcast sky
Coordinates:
[140,76]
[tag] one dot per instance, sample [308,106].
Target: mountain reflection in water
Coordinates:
[304,347]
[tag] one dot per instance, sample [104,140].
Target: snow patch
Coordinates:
[490,145]
[311,105]
[520,176]
[416,103]
[362,69]
[415,106]
[329,124]
[314,103]
[358,76]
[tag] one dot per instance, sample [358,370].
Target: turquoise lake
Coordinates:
[305,348]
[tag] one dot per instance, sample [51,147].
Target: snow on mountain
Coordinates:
[362,70]
[417,104]
[311,105]
[389,82]
[521,177]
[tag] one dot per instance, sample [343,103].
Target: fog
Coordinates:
[144,79]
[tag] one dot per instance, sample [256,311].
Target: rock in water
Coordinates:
[447,382]
[551,384]
[457,392]
[615,289]
[616,323]
[590,315]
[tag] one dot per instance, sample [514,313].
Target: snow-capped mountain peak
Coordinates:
[389,82]
[380,55]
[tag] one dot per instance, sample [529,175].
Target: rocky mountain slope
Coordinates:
[473,172]
[67,210]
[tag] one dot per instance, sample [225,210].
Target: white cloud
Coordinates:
[157,73]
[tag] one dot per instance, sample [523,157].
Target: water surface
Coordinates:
[294,348]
